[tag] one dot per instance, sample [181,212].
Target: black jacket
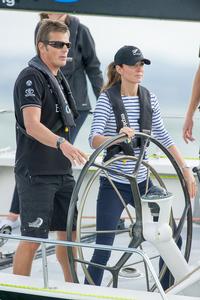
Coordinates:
[85,62]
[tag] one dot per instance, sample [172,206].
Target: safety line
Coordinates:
[57,291]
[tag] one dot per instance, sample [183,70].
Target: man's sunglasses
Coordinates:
[58,44]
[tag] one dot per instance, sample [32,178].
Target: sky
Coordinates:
[175,40]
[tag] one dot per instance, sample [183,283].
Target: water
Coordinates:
[174,126]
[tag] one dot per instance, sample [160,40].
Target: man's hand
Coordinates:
[75,155]
[187,130]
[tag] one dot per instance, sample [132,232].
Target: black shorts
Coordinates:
[44,203]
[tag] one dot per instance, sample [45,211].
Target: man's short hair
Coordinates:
[46,27]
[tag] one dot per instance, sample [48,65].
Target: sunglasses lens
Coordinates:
[58,44]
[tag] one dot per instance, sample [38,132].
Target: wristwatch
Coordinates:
[60,140]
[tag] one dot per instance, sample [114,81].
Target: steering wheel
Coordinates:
[86,192]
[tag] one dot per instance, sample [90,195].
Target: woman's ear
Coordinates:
[118,69]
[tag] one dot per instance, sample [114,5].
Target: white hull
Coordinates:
[57,290]
[32,286]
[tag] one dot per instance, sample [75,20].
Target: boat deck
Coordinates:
[131,281]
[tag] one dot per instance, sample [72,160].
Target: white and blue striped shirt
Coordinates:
[104,124]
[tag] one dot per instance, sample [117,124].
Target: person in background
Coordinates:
[85,63]
[124,77]
[45,112]
[193,104]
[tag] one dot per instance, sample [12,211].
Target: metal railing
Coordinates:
[44,242]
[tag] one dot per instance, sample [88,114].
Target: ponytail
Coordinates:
[113,77]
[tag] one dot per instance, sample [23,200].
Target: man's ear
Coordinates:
[41,47]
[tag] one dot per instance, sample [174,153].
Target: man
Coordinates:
[194,102]
[84,62]
[44,112]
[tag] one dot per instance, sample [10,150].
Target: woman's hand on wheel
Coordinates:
[130,132]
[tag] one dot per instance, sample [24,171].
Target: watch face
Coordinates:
[60,140]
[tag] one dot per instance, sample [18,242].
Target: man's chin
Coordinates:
[62,64]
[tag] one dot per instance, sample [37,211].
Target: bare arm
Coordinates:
[187,173]
[45,136]
[194,102]
[98,140]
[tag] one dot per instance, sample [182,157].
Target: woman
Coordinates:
[125,74]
